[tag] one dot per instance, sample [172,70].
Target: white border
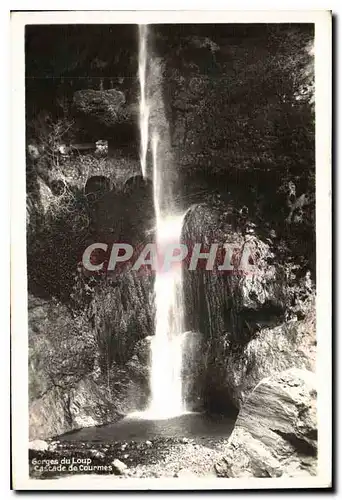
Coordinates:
[322,20]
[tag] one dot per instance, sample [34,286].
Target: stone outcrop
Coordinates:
[276,430]
[119,467]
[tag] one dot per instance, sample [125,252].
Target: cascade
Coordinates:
[166,398]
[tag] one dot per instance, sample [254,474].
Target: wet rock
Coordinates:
[38,445]
[276,431]
[66,392]
[119,467]
[97,454]
[243,317]
[272,350]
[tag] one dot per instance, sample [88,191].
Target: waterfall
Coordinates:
[166,345]
[167,342]
[144,110]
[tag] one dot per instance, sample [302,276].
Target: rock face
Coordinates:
[107,114]
[276,430]
[38,445]
[105,106]
[216,136]
[251,325]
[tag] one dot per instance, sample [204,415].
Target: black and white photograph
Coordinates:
[169,184]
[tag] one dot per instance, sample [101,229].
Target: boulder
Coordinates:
[276,430]
[106,107]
